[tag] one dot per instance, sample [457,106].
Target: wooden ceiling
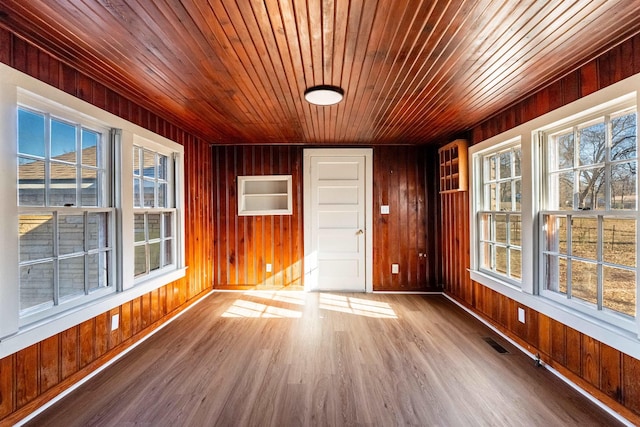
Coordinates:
[413,71]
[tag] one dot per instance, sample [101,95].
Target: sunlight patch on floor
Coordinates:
[243,308]
[357,306]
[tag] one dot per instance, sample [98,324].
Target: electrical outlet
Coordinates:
[384,210]
[268,268]
[115,322]
[395,268]
[521,316]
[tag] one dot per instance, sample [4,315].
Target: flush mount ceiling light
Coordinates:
[324,95]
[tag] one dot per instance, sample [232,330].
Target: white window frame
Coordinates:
[31,102]
[481,196]
[617,334]
[14,333]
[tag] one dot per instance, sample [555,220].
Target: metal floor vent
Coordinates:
[497,347]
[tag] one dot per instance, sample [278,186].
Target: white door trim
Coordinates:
[309,260]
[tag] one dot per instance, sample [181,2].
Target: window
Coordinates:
[78,238]
[154,217]
[590,211]
[499,217]
[65,213]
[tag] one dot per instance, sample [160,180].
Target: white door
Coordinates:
[337,223]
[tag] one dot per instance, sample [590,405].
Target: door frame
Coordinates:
[310,261]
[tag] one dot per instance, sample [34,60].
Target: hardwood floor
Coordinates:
[296,359]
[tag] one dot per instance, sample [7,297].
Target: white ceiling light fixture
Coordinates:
[324,95]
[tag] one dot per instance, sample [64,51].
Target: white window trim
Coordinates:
[15,85]
[528,295]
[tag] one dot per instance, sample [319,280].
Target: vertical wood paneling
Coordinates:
[49,363]
[70,350]
[400,181]
[631,385]
[7,391]
[244,245]
[87,342]
[27,375]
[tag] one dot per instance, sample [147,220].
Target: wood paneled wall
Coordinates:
[605,372]
[404,179]
[35,374]
[243,245]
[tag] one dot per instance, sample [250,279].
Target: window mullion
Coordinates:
[569,254]
[56,260]
[599,266]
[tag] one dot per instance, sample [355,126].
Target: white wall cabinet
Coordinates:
[264,195]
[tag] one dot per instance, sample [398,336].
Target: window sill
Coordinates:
[36,332]
[607,333]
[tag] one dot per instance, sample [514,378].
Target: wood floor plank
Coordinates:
[292,359]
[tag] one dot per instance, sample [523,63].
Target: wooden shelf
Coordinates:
[264,195]
[453,166]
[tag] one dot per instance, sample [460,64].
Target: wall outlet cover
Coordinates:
[115,322]
[521,315]
[384,210]
[395,268]
[268,268]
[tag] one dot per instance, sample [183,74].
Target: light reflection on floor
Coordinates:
[248,307]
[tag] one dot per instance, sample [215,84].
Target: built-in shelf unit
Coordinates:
[264,195]
[453,166]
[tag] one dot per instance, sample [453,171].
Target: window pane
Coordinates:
[493,197]
[71,276]
[162,196]
[515,230]
[505,196]
[623,137]
[168,224]
[562,151]
[592,144]
[98,236]
[154,256]
[90,146]
[584,237]
[486,256]
[556,240]
[584,281]
[619,291]
[63,141]
[137,183]
[518,194]
[153,225]
[31,181]
[517,154]
[162,167]
[501,259]
[591,191]
[31,133]
[138,228]
[515,260]
[505,165]
[501,228]
[90,186]
[36,285]
[36,237]
[168,254]
[63,185]
[71,234]
[140,259]
[98,271]
[555,273]
[492,168]
[136,161]
[561,191]
[149,194]
[149,164]
[619,244]
[624,185]
[485,226]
